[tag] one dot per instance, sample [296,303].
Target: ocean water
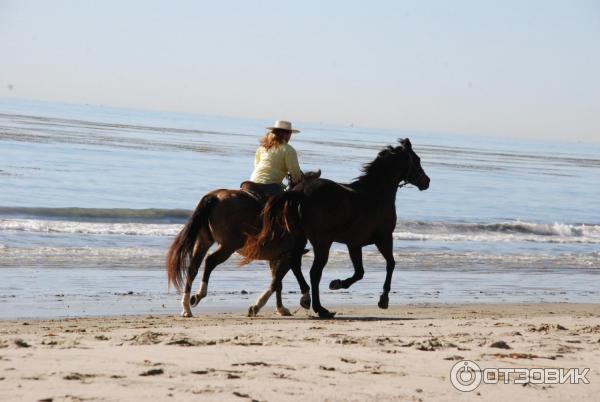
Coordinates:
[91,197]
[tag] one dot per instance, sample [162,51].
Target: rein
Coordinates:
[405,182]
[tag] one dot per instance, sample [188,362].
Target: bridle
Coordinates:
[410,168]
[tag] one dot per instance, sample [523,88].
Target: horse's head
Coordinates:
[414,173]
[307,177]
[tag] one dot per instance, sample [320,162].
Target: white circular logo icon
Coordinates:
[465,375]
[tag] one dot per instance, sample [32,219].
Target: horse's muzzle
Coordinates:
[423,183]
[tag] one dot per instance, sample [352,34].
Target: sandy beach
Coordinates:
[404,353]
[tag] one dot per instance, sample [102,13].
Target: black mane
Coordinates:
[382,170]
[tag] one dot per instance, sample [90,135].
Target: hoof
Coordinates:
[194,300]
[384,301]
[186,314]
[252,311]
[324,313]
[305,301]
[335,284]
[284,312]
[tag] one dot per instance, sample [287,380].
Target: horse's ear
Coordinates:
[405,143]
[312,175]
[385,152]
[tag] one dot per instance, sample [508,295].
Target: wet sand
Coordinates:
[404,353]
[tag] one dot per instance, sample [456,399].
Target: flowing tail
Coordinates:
[279,216]
[180,253]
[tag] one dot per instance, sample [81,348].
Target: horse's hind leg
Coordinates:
[281,309]
[297,270]
[266,295]
[359,271]
[221,254]
[199,253]
[279,271]
[385,247]
[321,251]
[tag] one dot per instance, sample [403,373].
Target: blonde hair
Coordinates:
[273,138]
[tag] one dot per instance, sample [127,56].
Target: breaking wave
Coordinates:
[498,232]
[90,228]
[168,222]
[150,215]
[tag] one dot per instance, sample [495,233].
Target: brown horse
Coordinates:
[356,214]
[227,217]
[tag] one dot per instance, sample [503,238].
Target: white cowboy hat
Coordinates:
[283,125]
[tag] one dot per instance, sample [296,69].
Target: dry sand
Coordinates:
[404,353]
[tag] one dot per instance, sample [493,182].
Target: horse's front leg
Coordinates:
[385,247]
[359,271]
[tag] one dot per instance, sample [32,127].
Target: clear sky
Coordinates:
[509,68]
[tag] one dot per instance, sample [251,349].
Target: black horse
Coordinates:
[356,214]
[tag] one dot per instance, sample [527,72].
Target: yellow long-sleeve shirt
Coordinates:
[272,165]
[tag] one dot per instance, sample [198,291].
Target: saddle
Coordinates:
[261,192]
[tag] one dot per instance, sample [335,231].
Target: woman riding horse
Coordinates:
[273,161]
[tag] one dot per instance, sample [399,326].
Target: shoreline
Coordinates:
[58,292]
[404,353]
[239,310]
